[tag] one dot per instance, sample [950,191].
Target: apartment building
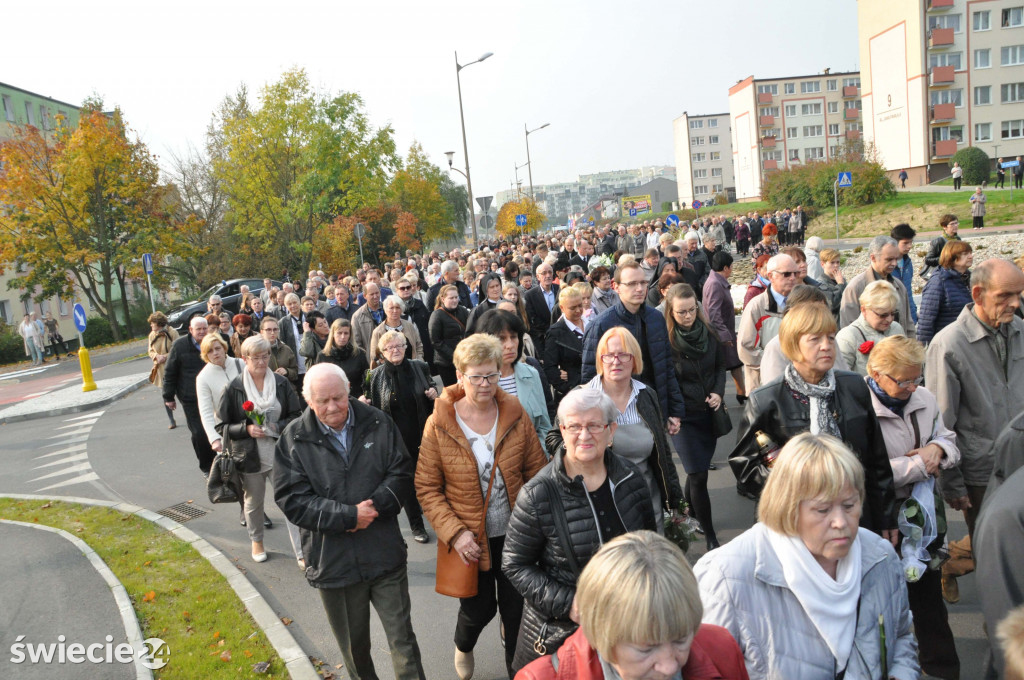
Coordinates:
[941,75]
[780,122]
[703,152]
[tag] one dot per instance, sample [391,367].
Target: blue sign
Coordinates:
[79,313]
[845,179]
[147,262]
[632,212]
[520,220]
[1010,164]
[697,205]
[672,220]
[591,222]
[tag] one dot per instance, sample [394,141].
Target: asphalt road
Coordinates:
[131,455]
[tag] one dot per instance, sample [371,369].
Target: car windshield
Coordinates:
[208,292]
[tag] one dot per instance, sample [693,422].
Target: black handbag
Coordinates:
[224,483]
[721,423]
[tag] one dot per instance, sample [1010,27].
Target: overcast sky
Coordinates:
[608,76]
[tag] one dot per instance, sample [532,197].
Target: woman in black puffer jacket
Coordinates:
[601,496]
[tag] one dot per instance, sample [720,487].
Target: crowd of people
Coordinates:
[526,402]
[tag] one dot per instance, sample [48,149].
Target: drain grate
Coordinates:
[182,512]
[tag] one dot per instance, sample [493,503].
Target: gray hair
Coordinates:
[393,300]
[584,399]
[387,337]
[197,320]
[255,344]
[773,263]
[879,242]
[691,236]
[318,370]
[291,297]
[449,266]
[815,243]
[216,298]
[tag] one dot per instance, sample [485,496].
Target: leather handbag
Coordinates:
[224,484]
[452,576]
[153,373]
[721,423]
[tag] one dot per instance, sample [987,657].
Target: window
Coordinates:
[700,189]
[833,150]
[812,131]
[716,155]
[832,85]
[810,87]
[30,113]
[790,110]
[27,306]
[980,21]
[789,88]
[983,58]
[716,188]
[1013,17]
[769,110]
[794,155]
[1012,93]
[856,104]
[768,89]
[713,139]
[700,174]
[44,117]
[697,157]
[771,155]
[696,141]
[954,97]
[945,21]
[811,109]
[957,132]
[8,109]
[713,123]
[5,311]
[62,306]
[854,127]
[833,107]
[1013,129]
[983,95]
[774,132]
[791,133]
[953,59]
[1012,55]
[833,129]
[851,82]
[696,124]
[716,172]
[983,132]
[815,153]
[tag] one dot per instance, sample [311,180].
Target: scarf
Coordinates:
[692,343]
[892,403]
[265,400]
[343,352]
[823,420]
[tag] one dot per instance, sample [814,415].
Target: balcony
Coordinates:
[944,148]
[940,37]
[942,75]
[943,112]
[764,97]
[768,142]
[851,114]
[853,135]
[940,4]
[771,165]
[766,121]
[849,91]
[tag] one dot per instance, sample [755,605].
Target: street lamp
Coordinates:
[518,168]
[528,152]
[465,149]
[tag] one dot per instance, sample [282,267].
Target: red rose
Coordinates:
[866,347]
[249,406]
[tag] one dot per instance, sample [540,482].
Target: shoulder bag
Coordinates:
[452,576]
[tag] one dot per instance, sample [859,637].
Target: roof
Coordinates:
[41,96]
[812,75]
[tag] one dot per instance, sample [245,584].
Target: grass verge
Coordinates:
[178,596]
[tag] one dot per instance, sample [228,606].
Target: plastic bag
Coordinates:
[918,528]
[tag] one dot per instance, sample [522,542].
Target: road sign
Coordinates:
[520,220]
[1010,164]
[485,202]
[632,212]
[672,220]
[360,230]
[79,314]
[147,262]
[486,222]
[697,205]
[591,221]
[845,179]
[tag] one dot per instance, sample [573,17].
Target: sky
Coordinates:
[609,77]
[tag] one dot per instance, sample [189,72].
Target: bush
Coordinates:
[98,332]
[12,347]
[975,163]
[811,184]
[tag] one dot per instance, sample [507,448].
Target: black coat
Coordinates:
[433,291]
[354,363]
[446,332]
[417,312]
[478,311]
[701,375]
[578,259]
[563,351]
[183,366]
[382,389]
[534,560]
[539,315]
[287,333]
[233,421]
[772,408]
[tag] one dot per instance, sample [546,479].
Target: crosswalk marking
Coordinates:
[25,372]
[70,449]
[62,461]
[72,457]
[90,477]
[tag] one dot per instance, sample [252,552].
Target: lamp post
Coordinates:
[465,149]
[518,168]
[528,153]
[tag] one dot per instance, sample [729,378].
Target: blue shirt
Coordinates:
[779,300]
[342,436]
[549,297]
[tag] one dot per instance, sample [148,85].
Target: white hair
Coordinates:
[879,242]
[393,300]
[318,370]
[584,399]
[815,243]
[773,263]
[449,266]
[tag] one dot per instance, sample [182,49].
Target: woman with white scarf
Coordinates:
[33,339]
[804,592]
[813,396]
[255,408]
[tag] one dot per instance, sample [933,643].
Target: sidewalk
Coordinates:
[73,400]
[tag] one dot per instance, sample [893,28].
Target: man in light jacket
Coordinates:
[762,317]
[884,253]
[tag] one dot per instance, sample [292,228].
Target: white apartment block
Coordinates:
[780,122]
[950,74]
[703,150]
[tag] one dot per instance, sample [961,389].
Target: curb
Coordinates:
[124,603]
[296,660]
[77,408]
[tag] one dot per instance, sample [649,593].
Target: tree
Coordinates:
[83,210]
[295,163]
[506,222]
[418,190]
[976,165]
[387,228]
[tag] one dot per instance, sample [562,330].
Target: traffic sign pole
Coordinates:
[147,262]
[835,197]
[84,362]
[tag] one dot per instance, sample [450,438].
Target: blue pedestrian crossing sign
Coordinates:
[147,262]
[520,220]
[672,220]
[845,179]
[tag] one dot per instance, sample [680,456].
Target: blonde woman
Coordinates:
[878,307]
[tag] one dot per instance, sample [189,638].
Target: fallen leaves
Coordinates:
[225,656]
[149,597]
[261,667]
[286,621]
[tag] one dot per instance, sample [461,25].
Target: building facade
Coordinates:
[939,76]
[703,150]
[780,122]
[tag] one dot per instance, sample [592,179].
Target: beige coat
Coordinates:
[362,328]
[758,325]
[850,308]
[412,338]
[160,346]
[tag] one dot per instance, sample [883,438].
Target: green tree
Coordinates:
[506,222]
[417,190]
[976,165]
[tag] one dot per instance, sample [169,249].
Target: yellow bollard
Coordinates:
[88,384]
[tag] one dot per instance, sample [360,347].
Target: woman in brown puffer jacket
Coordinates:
[474,427]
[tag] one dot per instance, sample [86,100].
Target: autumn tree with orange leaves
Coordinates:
[506,223]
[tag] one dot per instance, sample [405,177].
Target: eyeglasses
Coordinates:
[593,428]
[687,312]
[906,384]
[259,358]
[786,275]
[632,284]
[883,315]
[394,348]
[622,358]
[478,380]
[269,329]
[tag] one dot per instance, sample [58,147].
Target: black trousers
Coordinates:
[957,183]
[1017,179]
[495,593]
[936,646]
[200,443]
[447,374]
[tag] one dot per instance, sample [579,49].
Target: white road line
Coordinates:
[91,477]
[88,415]
[70,449]
[83,423]
[82,431]
[23,373]
[67,471]
[77,439]
[62,461]
[35,394]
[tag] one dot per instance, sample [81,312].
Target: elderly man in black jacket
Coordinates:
[183,365]
[339,472]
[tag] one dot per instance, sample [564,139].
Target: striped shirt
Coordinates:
[630,416]
[509,385]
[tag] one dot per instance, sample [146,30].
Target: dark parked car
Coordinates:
[180,316]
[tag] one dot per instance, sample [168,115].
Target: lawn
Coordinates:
[178,596]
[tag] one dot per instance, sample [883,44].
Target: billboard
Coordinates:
[642,205]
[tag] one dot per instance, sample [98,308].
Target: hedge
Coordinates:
[811,184]
[975,164]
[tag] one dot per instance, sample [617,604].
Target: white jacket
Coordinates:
[743,589]
[210,385]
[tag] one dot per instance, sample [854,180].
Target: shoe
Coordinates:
[241,517]
[172,426]
[267,524]
[712,542]
[741,399]
[464,664]
[259,557]
[712,466]
[205,474]
[950,589]
[419,533]
[302,564]
[501,629]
